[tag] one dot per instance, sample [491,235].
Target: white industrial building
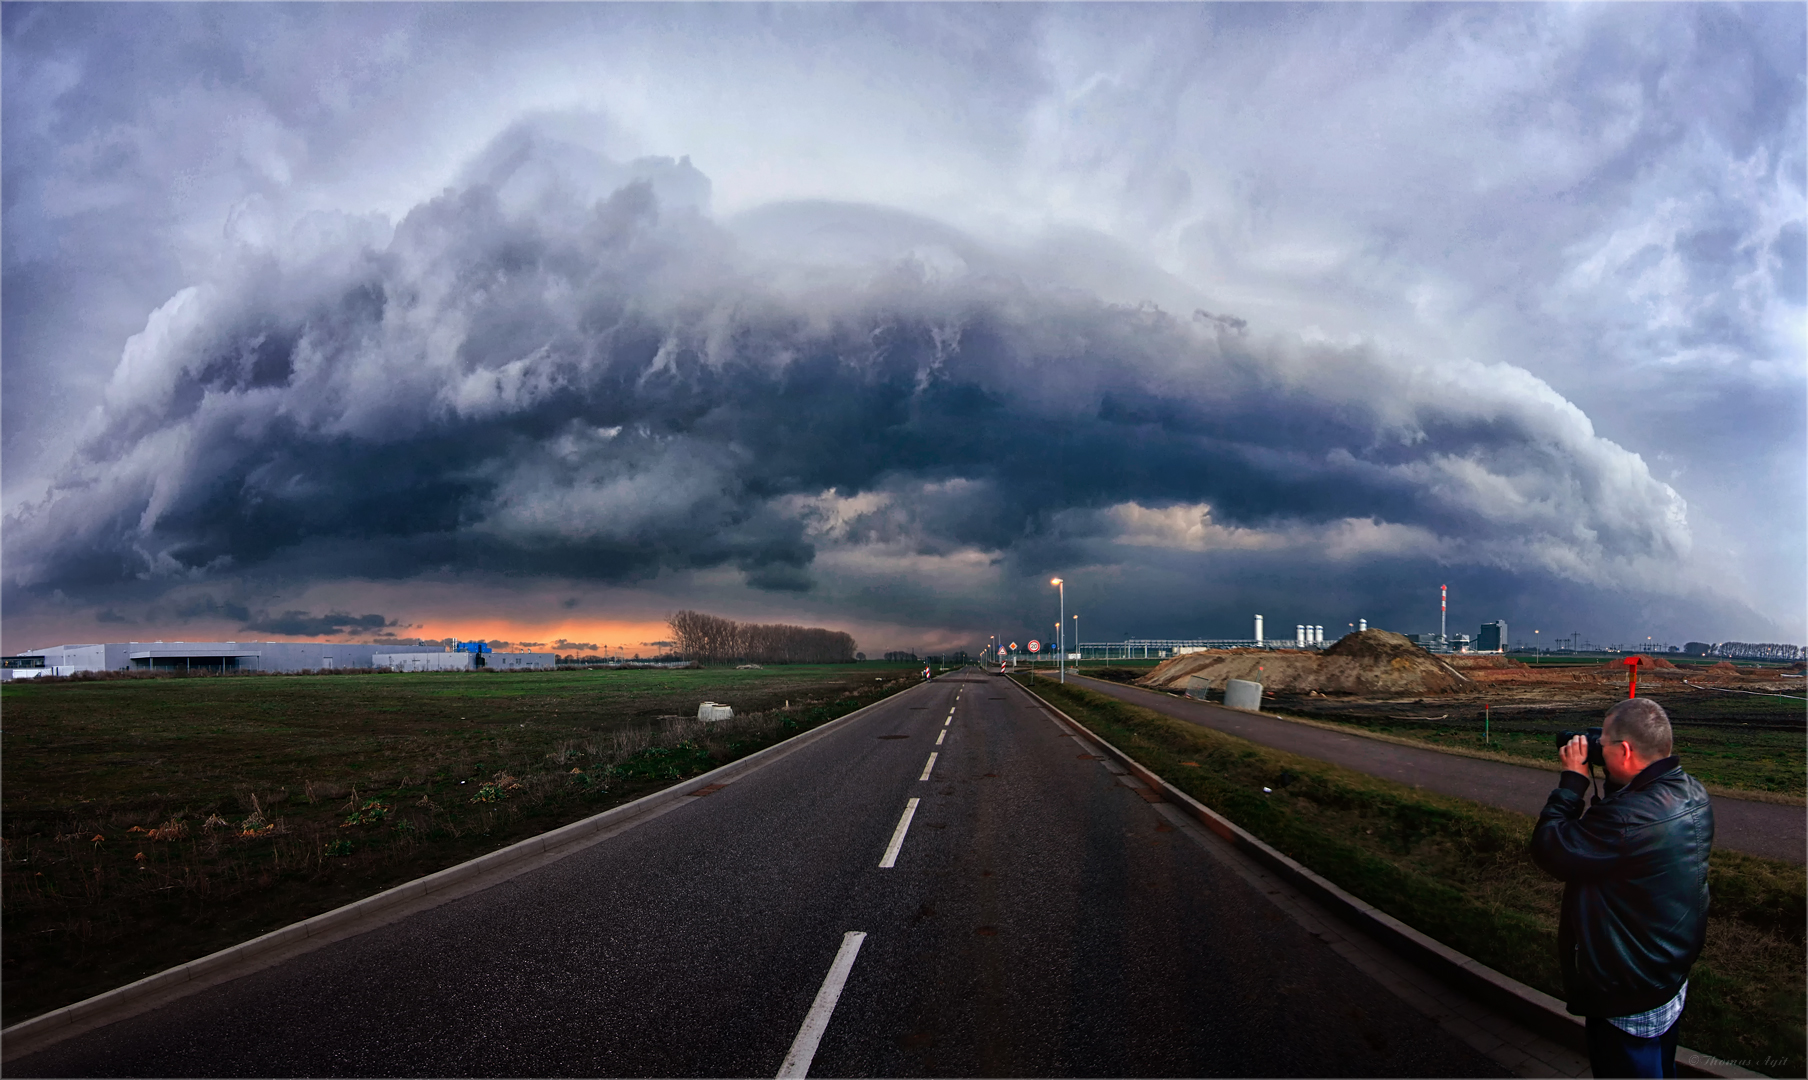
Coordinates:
[225,656]
[465,661]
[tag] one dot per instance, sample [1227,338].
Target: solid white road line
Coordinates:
[928,767]
[803,1048]
[943,735]
[897,836]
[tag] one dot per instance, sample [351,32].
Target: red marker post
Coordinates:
[1632,665]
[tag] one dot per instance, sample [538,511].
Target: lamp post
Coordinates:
[1061,627]
[1077,649]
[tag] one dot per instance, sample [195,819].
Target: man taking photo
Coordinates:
[1635,898]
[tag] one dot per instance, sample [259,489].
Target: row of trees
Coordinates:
[1755,650]
[711,639]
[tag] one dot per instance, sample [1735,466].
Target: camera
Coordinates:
[1594,744]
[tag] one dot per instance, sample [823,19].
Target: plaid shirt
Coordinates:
[1649,1025]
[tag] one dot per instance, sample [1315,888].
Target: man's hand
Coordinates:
[1574,755]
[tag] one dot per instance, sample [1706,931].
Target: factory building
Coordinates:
[462,660]
[1493,637]
[274,656]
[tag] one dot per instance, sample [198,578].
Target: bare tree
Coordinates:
[711,639]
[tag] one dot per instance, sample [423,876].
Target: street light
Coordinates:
[1077,648]
[1061,627]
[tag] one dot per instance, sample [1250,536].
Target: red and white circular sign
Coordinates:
[1035,646]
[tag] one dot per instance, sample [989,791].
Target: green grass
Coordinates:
[1460,872]
[279,797]
[1730,741]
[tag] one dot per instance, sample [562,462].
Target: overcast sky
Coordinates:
[539,322]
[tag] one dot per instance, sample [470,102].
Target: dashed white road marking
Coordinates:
[897,836]
[803,1048]
[928,767]
[943,735]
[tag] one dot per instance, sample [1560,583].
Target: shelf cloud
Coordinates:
[520,378]
[1070,315]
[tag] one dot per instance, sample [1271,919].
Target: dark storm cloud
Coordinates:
[206,607]
[302,624]
[565,367]
[1602,204]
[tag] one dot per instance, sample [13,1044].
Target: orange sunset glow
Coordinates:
[606,636]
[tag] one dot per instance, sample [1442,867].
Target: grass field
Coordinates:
[1460,872]
[150,821]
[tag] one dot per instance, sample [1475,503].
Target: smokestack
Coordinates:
[1443,607]
[1258,629]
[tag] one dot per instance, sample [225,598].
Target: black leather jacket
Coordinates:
[1635,894]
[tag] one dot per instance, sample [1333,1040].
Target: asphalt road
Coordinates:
[1041,919]
[1768,829]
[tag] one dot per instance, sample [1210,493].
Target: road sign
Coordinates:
[1013,646]
[1035,646]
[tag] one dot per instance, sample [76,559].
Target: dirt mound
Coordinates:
[1646,663]
[1723,668]
[1466,663]
[1375,645]
[1366,662]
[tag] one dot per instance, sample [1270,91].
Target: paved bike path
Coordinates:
[1768,829]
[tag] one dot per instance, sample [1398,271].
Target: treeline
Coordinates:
[711,639]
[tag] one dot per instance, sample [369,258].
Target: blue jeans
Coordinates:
[1612,1052]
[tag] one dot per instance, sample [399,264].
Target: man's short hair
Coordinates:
[1643,723]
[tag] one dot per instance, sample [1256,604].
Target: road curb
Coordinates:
[39,1032]
[1532,1008]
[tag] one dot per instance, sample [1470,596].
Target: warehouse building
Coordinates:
[276,656]
[462,660]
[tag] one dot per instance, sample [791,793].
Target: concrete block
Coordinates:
[1243,694]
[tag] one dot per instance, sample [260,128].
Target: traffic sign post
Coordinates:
[1632,665]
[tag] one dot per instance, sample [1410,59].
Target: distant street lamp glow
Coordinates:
[1061,627]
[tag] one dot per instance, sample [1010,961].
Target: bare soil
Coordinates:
[1366,662]
[1739,727]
